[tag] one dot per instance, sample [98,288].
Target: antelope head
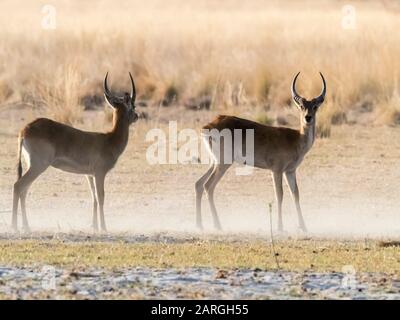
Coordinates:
[308,108]
[124,105]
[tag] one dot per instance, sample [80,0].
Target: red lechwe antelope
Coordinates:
[278,149]
[45,143]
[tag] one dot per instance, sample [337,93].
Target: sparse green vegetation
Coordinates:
[293,255]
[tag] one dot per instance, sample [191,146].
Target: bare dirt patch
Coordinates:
[348,186]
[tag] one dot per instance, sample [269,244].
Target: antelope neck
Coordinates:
[307,132]
[120,131]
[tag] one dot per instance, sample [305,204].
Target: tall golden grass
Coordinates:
[239,53]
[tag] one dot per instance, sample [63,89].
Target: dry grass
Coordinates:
[293,255]
[240,54]
[61,97]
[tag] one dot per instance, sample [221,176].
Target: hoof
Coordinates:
[26,230]
[303,234]
[281,234]
[217,225]
[303,229]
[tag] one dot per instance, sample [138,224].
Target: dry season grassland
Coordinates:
[292,255]
[192,60]
[233,54]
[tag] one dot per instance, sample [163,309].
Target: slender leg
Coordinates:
[292,183]
[199,186]
[95,223]
[16,195]
[216,175]
[25,224]
[277,177]
[99,180]
[21,188]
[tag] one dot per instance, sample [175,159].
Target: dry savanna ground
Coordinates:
[348,185]
[191,61]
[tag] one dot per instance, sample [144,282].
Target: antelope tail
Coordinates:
[19,165]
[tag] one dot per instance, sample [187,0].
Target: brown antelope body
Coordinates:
[46,143]
[278,149]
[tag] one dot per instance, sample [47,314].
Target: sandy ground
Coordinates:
[348,185]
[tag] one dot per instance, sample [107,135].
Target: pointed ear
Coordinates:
[299,103]
[127,98]
[110,101]
[318,105]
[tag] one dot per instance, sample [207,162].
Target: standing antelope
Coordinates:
[278,149]
[47,143]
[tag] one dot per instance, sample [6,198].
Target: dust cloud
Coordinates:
[241,219]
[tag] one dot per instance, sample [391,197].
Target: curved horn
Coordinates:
[321,97]
[133,92]
[107,91]
[295,96]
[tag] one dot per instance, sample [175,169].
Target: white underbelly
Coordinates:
[71,165]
